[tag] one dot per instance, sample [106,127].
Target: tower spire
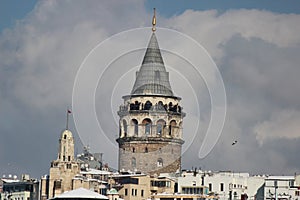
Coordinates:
[154,21]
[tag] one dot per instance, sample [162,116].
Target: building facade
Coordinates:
[24,189]
[151,119]
[62,170]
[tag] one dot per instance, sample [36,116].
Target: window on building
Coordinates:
[210,187]
[134,123]
[147,123]
[168,184]
[125,127]
[146,150]
[221,187]
[135,192]
[172,127]
[65,136]
[69,158]
[147,105]
[235,194]
[147,128]
[142,193]
[69,166]
[160,162]
[57,184]
[133,150]
[160,126]
[126,192]
[132,192]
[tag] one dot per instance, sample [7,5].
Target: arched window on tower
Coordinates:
[147,128]
[133,162]
[124,127]
[160,162]
[147,105]
[147,123]
[160,126]
[172,127]
[135,125]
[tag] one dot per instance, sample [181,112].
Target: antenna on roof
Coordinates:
[154,21]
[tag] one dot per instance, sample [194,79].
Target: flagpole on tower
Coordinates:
[67,124]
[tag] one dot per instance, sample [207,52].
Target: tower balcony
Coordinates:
[137,108]
[149,140]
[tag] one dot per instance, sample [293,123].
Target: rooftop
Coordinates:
[80,193]
[152,78]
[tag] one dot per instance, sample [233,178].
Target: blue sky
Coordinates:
[12,10]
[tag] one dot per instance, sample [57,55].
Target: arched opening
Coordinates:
[135,125]
[146,150]
[160,162]
[133,150]
[133,162]
[170,106]
[147,105]
[147,123]
[124,127]
[172,127]
[160,125]
[160,106]
[65,136]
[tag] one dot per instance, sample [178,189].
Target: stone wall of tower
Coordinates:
[150,156]
[61,175]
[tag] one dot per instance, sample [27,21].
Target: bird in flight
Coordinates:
[234,142]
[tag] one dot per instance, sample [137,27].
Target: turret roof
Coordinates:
[152,78]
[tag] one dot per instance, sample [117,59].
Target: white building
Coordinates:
[191,183]
[280,187]
[226,185]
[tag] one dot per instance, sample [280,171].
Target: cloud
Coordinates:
[284,124]
[256,51]
[213,30]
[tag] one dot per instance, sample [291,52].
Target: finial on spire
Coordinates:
[68,112]
[154,21]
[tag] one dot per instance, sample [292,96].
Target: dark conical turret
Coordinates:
[152,78]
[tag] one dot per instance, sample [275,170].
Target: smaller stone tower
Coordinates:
[65,167]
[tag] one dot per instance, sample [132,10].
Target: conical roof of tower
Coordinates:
[152,78]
